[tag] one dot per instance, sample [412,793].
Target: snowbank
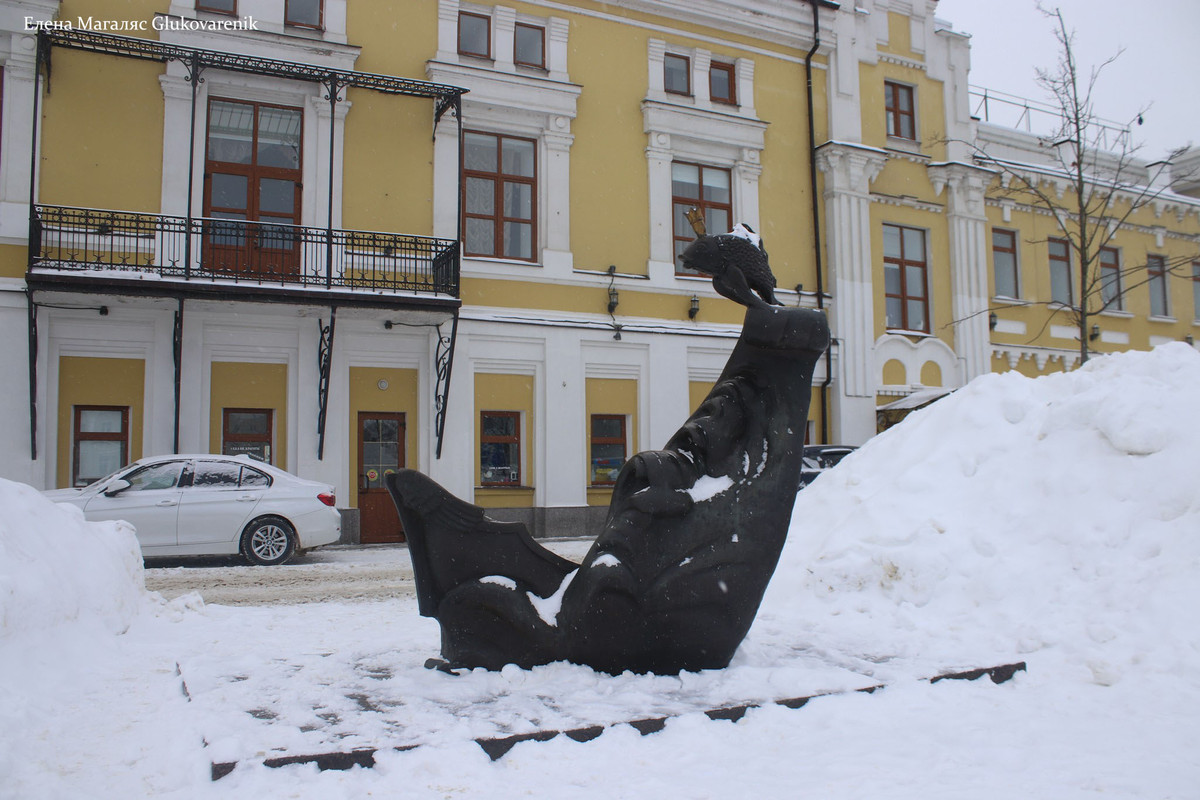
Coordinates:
[1012,516]
[57,568]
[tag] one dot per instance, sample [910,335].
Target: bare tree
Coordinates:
[1105,186]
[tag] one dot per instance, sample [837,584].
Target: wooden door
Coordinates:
[380,452]
[252,189]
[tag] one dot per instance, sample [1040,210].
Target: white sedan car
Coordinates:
[187,505]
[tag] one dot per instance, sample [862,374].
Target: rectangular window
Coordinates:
[499,196]
[1196,290]
[252,173]
[1061,284]
[906,288]
[529,46]
[101,442]
[247,430]
[1156,278]
[721,85]
[1004,262]
[500,448]
[217,6]
[677,74]
[901,116]
[707,189]
[304,13]
[608,448]
[1110,278]
[474,35]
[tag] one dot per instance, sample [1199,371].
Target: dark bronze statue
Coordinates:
[693,534]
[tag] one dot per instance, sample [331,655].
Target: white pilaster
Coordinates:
[965,186]
[849,171]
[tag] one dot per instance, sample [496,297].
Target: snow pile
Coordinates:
[1014,516]
[56,568]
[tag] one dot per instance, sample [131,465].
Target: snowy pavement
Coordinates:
[348,573]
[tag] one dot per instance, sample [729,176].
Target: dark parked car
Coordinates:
[820,457]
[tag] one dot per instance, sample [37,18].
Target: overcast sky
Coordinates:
[1159,68]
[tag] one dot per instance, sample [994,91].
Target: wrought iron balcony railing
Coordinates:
[124,244]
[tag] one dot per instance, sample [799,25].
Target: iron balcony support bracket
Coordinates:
[33,386]
[324,364]
[444,366]
[177,353]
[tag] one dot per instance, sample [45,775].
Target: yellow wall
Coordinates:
[242,385]
[494,392]
[14,260]
[610,396]
[400,396]
[98,382]
[102,132]
[1134,242]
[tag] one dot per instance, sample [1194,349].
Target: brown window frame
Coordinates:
[487,39]
[1156,282]
[202,6]
[903,263]
[1011,250]
[541,31]
[1109,265]
[498,217]
[731,72]
[896,114]
[79,436]
[1062,262]
[687,72]
[269,440]
[1196,290]
[681,204]
[594,440]
[319,26]
[515,439]
[276,248]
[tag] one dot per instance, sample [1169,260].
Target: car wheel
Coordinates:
[268,541]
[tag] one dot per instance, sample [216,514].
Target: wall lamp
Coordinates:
[694,307]
[1190,339]
[614,297]
[993,321]
[1095,334]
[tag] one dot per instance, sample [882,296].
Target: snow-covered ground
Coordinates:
[1054,521]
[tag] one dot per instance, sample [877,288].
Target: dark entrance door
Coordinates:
[380,451]
[252,179]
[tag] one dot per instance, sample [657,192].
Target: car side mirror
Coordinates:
[116,487]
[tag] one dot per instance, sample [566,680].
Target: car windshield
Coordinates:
[99,481]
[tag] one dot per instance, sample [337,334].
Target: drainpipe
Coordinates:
[816,213]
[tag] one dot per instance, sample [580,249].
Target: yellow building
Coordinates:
[441,234]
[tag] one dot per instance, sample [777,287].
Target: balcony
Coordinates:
[135,253]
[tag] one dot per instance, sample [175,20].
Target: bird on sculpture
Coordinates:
[737,263]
